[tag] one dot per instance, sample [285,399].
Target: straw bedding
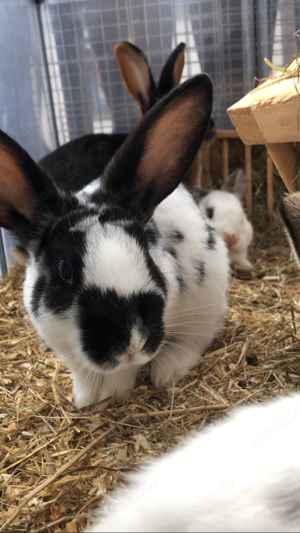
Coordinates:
[57,462]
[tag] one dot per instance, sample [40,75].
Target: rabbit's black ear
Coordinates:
[25,190]
[136,75]
[289,210]
[171,73]
[156,157]
[237,184]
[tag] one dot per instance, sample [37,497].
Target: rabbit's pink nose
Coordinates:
[230,239]
[133,350]
[136,347]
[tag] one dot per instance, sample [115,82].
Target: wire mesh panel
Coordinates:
[277,22]
[80,36]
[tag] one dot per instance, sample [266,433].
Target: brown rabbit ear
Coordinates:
[172,71]
[289,211]
[237,184]
[136,74]
[26,192]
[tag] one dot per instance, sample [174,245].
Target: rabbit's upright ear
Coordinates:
[289,210]
[157,155]
[171,73]
[137,75]
[237,184]
[24,190]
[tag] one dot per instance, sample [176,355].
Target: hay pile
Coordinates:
[56,462]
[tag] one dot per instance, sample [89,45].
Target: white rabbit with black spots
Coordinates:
[127,271]
[240,474]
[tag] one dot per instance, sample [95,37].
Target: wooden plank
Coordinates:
[225,159]
[278,123]
[242,118]
[269,112]
[248,164]
[285,157]
[270,180]
[227,134]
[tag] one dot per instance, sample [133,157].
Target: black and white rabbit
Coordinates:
[241,474]
[80,161]
[225,211]
[127,271]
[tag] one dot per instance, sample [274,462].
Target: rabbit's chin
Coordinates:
[94,385]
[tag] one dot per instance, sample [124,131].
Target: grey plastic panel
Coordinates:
[24,103]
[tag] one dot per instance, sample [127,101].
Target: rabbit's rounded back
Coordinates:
[80,161]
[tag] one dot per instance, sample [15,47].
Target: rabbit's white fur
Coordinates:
[193,314]
[128,271]
[240,474]
[229,220]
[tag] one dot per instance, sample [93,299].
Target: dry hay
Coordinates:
[56,462]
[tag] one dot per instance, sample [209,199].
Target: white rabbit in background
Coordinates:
[224,208]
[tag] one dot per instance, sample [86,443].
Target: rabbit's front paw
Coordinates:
[90,392]
[161,379]
[167,370]
[93,388]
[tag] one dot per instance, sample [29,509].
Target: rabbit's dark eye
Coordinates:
[65,270]
[210,212]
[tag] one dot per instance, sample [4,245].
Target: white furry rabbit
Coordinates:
[241,474]
[127,271]
[225,210]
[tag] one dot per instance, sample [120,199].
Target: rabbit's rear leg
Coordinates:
[172,364]
[91,387]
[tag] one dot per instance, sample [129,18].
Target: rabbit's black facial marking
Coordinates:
[211,240]
[136,231]
[60,254]
[156,275]
[210,212]
[200,271]
[114,214]
[111,324]
[152,232]
[37,294]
